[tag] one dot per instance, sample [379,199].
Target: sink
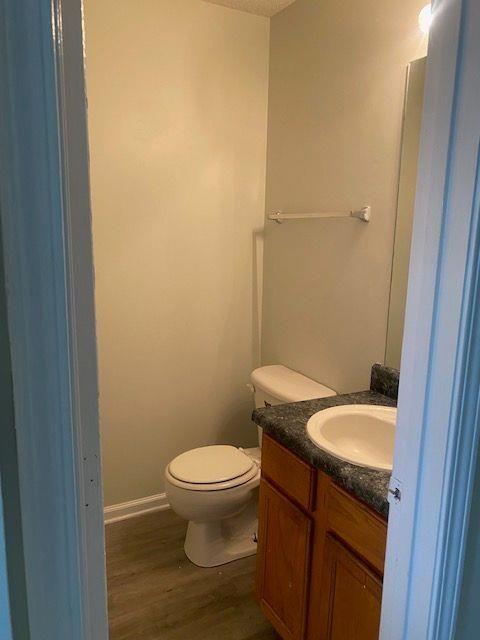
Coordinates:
[361,434]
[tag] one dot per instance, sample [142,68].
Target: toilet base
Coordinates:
[210,544]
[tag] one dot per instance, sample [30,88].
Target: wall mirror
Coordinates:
[405,209]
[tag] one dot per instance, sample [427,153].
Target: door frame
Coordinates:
[45,202]
[438,424]
[5,618]
[46,225]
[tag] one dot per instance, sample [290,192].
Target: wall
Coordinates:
[177,121]
[337,79]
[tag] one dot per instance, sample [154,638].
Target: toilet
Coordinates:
[215,487]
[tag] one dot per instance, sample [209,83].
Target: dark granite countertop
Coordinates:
[287,423]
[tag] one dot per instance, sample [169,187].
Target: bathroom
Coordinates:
[205,120]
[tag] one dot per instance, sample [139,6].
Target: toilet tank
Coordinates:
[276,384]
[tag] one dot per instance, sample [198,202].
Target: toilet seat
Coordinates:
[211,468]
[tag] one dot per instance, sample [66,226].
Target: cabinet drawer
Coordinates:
[295,477]
[359,527]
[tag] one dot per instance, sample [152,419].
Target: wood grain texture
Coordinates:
[352,596]
[318,549]
[156,593]
[294,476]
[283,565]
[358,526]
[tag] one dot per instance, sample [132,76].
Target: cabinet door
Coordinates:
[352,596]
[283,562]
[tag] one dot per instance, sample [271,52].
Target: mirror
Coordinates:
[405,209]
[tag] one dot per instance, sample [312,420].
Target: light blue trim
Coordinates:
[48,256]
[459,485]
[464,430]
[437,432]
[5,623]
[72,105]
[10,490]
[468,618]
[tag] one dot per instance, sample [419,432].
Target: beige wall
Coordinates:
[177,116]
[337,78]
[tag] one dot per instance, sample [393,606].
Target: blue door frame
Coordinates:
[45,209]
[5,622]
[13,594]
[438,427]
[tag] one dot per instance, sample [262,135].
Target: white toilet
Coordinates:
[215,488]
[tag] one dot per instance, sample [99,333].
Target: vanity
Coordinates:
[322,525]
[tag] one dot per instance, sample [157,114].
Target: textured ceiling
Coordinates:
[260,7]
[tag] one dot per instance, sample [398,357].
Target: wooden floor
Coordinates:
[155,593]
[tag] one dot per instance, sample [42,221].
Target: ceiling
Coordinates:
[260,7]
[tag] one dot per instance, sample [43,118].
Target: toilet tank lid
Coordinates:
[288,385]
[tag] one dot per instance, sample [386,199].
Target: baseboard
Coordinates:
[134,508]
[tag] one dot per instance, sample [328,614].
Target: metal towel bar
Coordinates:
[363,214]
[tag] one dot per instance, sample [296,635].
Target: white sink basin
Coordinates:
[361,434]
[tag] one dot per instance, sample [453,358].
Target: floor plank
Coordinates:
[156,593]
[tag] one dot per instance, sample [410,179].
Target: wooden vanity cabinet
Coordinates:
[320,554]
[351,595]
[285,542]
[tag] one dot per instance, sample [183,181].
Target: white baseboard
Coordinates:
[139,507]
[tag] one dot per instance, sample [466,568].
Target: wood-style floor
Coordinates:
[155,593]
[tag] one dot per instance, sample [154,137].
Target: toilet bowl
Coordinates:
[215,487]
